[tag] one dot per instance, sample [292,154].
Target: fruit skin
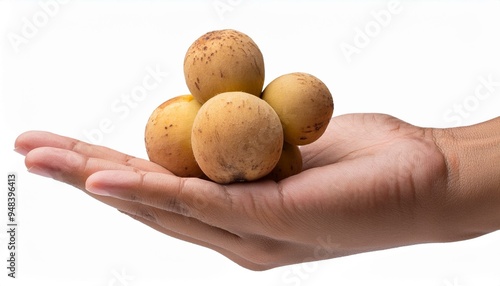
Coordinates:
[222,61]
[304,105]
[168,136]
[236,137]
[289,164]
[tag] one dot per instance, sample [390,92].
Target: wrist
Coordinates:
[471,205]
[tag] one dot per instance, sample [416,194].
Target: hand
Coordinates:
[370,182]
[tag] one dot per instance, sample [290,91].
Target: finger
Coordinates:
[68,166]
[34,139]
[189,197]
[201,218]
[221,246]
[72,168]
[250,252]
[250,208]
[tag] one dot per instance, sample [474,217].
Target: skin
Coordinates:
[371,182]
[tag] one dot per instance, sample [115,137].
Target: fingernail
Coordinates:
[40,171]
[21,151]
[98,191]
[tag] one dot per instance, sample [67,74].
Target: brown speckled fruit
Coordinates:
[289,164]
[168,136]
[304,105]
[222,61]
[236,137]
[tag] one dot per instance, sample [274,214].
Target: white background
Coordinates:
[66,67]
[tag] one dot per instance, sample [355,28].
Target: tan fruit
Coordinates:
[289,164]
[168,136]
[304,105]
[236,137]
[222,61]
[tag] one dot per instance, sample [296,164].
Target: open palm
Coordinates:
[370,182]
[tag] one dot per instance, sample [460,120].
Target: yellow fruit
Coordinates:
[304,105]
[168,136]
[222,61]
[236,137]
[289,164]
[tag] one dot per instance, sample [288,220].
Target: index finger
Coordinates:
[190,197]
[30,140]
[240,208]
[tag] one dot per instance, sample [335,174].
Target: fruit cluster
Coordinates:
[229,129]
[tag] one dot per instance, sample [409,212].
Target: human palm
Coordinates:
[370,182]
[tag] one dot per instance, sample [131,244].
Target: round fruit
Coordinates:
[290,163]
[221,61]
[304,105]
[168,136]
[236,137]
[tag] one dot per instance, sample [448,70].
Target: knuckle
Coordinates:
[177,206]
[265,253]
[147,213]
